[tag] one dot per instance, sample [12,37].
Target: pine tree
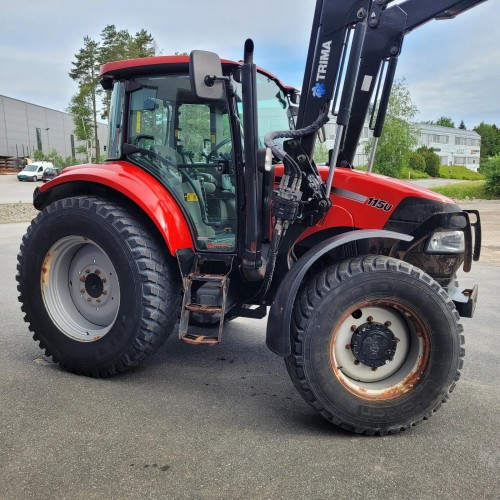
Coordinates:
[91,99]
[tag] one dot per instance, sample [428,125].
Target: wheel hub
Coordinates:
[373,344]
[94,285]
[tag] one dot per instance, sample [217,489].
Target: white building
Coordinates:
[453,146]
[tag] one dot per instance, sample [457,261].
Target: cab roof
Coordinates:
[171,64]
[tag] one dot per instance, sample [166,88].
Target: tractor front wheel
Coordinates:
[376,345]
[95,286]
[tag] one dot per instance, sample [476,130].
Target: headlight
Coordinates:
[446,242]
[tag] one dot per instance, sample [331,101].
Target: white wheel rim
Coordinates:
[80,288]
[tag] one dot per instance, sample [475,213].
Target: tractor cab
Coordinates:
[192,146]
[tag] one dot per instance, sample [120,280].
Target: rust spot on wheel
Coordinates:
[45,274]
[417,330]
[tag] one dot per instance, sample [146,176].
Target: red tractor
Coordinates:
[202,213]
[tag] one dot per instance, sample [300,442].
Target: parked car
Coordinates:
[50,173]
[34,171]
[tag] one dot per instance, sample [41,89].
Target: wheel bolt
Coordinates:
[104,292]
[398,340]
[87,271]
[89,299]
[356,361]
[387,323]
[104,280]
[82,290]
[348,346]
[374,368]
[354,328]
[82,278]
[370,319]
[97,272]
[98,301]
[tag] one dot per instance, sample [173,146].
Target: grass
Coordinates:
[410,173]
[468,190]
[459,172]
[445,172]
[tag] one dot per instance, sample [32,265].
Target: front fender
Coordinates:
[132,183]
[278,323]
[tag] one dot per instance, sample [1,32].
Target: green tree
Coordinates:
[320,153]
[142,45]
[54,157]
[490,140]
[462,126]
[91,99]
[117,45]
[86,73]
[445,121]
[81,109]
[399,137]
[431,161]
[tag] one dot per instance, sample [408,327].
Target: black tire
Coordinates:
[33,179]
[375,312]
[96,288]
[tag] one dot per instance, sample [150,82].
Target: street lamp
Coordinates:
[48,142]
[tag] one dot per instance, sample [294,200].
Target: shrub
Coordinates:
[416,162]
[431,161]
[491,170]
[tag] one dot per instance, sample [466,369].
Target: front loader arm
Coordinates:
[332,25]
[386,29]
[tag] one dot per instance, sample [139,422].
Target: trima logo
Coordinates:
[323,61]
[319,90]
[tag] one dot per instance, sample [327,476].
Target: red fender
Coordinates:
[137,185]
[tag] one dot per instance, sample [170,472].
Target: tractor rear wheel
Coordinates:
[95,286]
[376,345]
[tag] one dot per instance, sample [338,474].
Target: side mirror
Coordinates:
[203,66]
[149,104]
[295,98]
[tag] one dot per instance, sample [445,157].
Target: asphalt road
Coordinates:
[14,191]
[226,422]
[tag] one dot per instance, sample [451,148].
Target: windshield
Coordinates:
[30,168]
[273,108]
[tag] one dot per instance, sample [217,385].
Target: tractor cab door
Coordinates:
[186,143]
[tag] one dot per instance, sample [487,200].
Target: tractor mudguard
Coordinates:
[278,323]
[132,183]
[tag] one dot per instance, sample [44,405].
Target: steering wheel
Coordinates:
[216,148]
[139,137]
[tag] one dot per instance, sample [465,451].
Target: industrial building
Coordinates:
[26,127]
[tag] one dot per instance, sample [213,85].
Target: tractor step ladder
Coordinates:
[221,280]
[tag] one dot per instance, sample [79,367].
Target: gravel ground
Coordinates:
[17,212]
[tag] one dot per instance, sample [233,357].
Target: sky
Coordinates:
[451,68]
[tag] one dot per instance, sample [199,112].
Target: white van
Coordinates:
[34,171]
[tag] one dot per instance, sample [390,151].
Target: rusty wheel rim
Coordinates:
[391,350]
